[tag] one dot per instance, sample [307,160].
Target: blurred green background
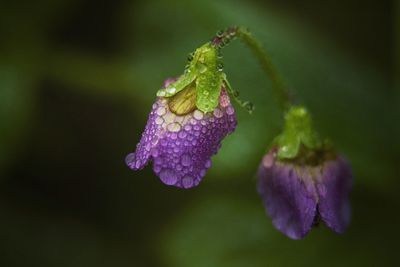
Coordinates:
[77,79]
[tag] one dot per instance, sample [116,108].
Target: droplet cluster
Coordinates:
[181,146]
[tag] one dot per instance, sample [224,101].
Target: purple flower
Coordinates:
[180,139]
[298,194]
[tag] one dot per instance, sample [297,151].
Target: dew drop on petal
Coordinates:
[157,168]
[187,181]
[188,127]
[130,158]
[161,111]
[230,110]
[138,164]
[168,176]
[186,160]
[182,134]
[155,152]
[218,113]
[159,120]
[148,146]
[174,127]
[197,114]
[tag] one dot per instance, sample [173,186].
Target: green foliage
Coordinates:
[298,131]
[203,70]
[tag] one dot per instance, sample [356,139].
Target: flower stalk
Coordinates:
[278,85]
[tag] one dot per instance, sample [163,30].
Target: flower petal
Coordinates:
[289,199]
[181,146]
[185,149]
[150,137]
[334,189]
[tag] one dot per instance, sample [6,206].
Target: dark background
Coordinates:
[77,79]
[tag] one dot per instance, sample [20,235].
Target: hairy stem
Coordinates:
[224,37]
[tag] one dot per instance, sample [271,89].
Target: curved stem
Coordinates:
[224,37]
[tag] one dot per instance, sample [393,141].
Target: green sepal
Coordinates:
[298,131]
[205,71]
[183,81]
[209,80]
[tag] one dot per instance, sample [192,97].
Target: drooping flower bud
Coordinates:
[187,123]
[180,139]
[303,181]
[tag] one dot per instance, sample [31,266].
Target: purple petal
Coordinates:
[181,146]
[334,189]
[149,139]
[289,199]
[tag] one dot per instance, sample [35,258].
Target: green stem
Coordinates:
[278,86]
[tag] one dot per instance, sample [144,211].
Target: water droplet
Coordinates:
[249,106]
[218,113]
[161,93]
[148,146]
[174,127]
[170,117]
[202,68]
[187,181]
[138,164]
[182,134]
[171,90]
[186,160]
[220,67]
[159,120]
[174,136]
[130,158]
[161,111]
[157,168]
[197,114]
[230,110]
[154,141]
[188,127]
[168,176]
[155,152]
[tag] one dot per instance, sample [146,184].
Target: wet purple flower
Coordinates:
[180,139]
[298,194]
